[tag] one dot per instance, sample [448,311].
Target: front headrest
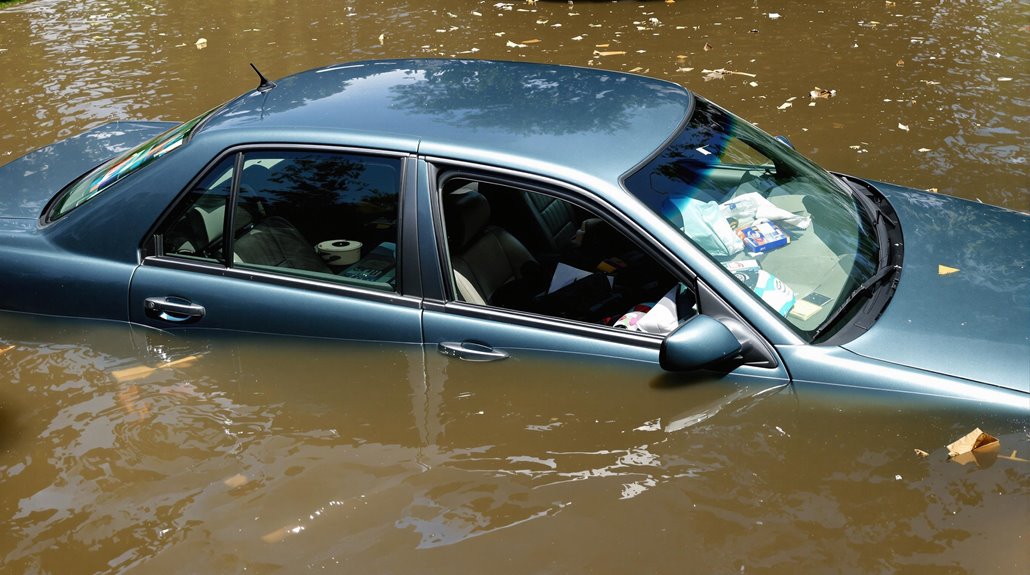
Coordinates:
[466,212]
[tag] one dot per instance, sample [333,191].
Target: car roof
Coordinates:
[549,118]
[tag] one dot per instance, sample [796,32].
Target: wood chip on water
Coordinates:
[725,71]
[610,53]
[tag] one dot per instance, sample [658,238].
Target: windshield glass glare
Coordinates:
[780,224]
[114,170]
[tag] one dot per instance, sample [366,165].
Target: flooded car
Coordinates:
[513,212]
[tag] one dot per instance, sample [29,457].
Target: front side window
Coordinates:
[128,163]
[781,225]
[313,214]
[532,252]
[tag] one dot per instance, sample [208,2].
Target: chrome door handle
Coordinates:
[470,351]
[175,309]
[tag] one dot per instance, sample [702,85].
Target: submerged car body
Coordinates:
[489,209]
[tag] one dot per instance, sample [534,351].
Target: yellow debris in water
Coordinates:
[943,270]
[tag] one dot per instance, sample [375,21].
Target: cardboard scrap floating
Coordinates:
[974,447]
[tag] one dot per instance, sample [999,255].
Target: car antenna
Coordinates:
[265,84]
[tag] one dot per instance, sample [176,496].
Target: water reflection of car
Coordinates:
[488,210]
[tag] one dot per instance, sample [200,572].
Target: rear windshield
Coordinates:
[102,177]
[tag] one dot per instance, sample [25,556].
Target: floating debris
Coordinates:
[238,480]
[725,71]
[201,43]
[818,93]
[902,127]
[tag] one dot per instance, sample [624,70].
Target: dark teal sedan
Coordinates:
[492,210]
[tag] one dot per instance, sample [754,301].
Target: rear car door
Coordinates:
[293,240]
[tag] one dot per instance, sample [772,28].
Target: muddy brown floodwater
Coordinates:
[266,455]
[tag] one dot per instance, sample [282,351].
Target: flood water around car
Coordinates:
[125,450]
[128,450]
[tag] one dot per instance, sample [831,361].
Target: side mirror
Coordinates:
[700,341]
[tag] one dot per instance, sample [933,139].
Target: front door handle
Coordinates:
[470,351]
[172,308]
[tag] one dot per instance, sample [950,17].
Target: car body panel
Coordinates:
[28,183]
[973,323]
[555,120]
[835,366]
[265,303]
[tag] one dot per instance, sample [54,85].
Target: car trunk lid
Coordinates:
[29,182]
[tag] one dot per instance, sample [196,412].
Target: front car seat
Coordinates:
[490,265]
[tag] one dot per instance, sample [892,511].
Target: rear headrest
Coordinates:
[466,212]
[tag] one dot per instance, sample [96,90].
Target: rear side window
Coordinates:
[320,215]
[114,170]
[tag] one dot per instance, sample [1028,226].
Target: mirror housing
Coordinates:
[699,342]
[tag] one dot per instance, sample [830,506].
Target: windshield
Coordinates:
[780,224]
[102,177]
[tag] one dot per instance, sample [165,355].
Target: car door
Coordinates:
[287,240]
[527,274]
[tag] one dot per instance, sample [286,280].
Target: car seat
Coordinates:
[276,242]
[490,265]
